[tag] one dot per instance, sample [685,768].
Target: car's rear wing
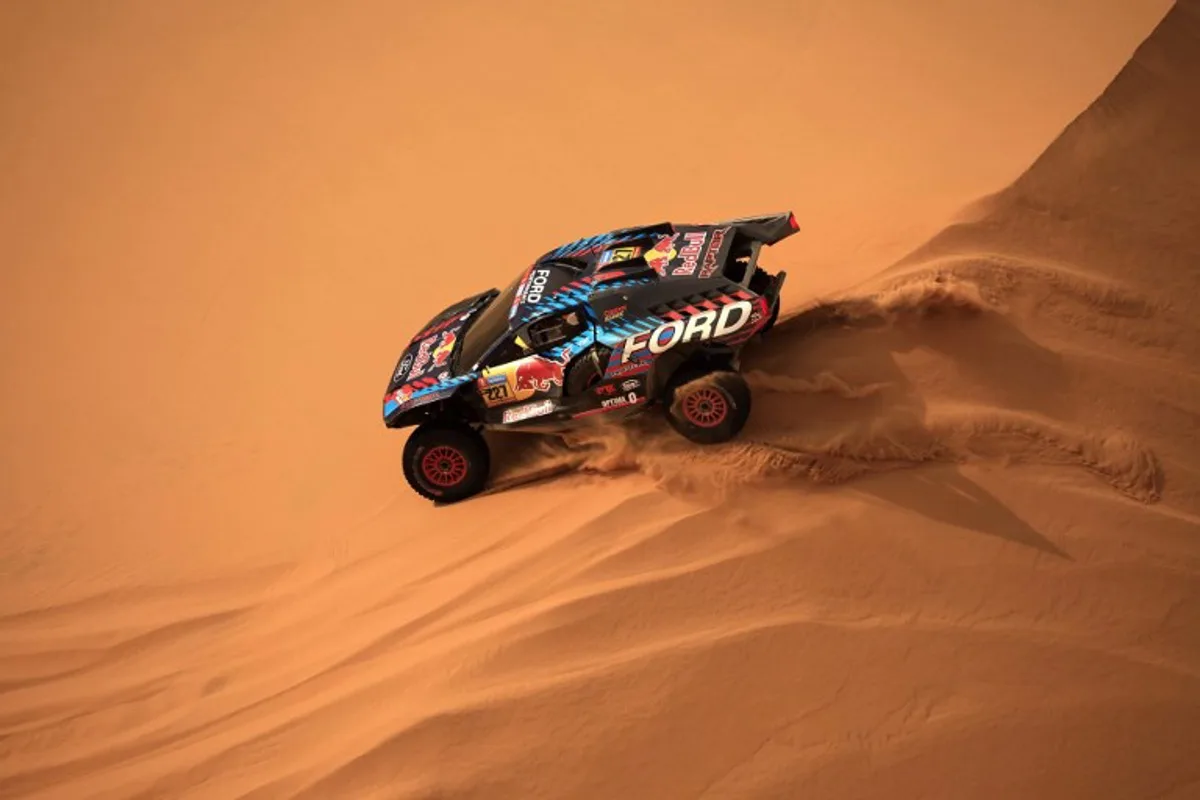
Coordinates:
[750,235]
[768,229]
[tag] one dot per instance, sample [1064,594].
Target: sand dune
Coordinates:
[956,553]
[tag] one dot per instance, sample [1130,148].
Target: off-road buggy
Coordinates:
[608,326]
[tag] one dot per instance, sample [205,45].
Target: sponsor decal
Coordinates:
[614,313]
[402,370]
[400,396]
[630,385]
[620,370]
[537,285]
[613,403]
[424,351]
[519,380]
[444,349]
[696,328]
[529,410]
[620,401]
[693,244]
[661,254]
[619,254]
[714,249]
[496,393]
[760,310]
[605,389]
[537,374]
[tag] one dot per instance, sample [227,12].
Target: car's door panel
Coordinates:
[518,372]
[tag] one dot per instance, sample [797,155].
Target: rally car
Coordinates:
[604,327]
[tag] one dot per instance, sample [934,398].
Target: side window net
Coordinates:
[538,336]
[555,330]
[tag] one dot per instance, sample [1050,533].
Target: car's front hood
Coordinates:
[429,355]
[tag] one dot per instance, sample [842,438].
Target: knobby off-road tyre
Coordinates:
[446,462]
[708,407]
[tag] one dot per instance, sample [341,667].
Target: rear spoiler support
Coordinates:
[752,264]
[776,284]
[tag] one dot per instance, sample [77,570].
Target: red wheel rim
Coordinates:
[705,407]
[444,466]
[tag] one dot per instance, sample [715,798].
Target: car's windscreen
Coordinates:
[487,327]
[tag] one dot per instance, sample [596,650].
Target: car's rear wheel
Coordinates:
[708,407]
[446,462]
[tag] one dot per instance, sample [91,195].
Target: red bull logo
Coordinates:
[537,375]
[444,349]
[693,242]
[422,360]
[661,254]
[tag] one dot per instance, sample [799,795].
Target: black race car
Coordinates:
[607,326]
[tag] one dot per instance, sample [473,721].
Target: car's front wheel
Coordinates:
[446,462]
[708,407]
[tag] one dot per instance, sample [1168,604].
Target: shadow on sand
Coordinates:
[941,493]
